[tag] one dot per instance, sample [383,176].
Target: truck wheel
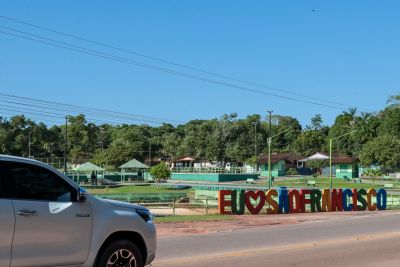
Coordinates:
[121,253]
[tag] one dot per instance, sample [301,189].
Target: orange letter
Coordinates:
[268,197]
[326,200]
[222,203]
[371,192]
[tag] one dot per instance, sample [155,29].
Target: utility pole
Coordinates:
[66,145]
[29,144]
[269,150]
[330,155]
[255,137]
[149,152]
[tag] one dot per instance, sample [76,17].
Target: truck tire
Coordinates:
[121,253]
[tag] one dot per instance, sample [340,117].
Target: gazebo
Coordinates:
[316,156]
[87,168]
[134,166]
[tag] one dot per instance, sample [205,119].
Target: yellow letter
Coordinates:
[275,207]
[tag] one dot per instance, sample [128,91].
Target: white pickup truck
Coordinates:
[47,220]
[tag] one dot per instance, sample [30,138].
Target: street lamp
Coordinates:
[330,155]
[269,148]
[66,144]
[25,128]
[149,152]
[269,156]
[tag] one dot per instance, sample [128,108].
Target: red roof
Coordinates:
[275,157]
[344,160]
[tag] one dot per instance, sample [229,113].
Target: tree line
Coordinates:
[376,139]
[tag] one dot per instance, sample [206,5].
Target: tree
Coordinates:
[366,128]
[382,151]
[4,136]
[194,143]
[316,123]
[252,161]
[317,165]
[311,141]
[344,123]
[78,139]
[292,129]
[393,101]
[170,145]
[390,122]
[112,157]
[160,172]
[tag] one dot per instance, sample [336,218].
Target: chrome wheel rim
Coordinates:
[122,258]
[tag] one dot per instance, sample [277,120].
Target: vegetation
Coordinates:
[317,165]
[374,173]
[160,172]
[226,139]
[292,171]
[382,151]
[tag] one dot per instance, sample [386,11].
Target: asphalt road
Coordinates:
[362,240]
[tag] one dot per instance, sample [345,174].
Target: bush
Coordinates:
[292,171]
[374,173]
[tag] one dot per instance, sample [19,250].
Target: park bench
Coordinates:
[250,181]
[310,182]
[357,180]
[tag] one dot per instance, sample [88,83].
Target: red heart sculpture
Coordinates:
[255,196]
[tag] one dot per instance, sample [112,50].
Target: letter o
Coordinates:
[381,199]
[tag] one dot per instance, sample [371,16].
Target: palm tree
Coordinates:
[351,112]
[366,127]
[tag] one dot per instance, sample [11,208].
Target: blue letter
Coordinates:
[347,193]
[283,201]
[381,199]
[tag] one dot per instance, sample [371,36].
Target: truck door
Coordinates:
[6,226]
[51,227]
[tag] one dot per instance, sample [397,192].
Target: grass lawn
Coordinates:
[194,218]
[132,189]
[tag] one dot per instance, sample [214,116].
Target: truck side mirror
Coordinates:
[81,196]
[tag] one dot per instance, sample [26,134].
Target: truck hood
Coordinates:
[122,204]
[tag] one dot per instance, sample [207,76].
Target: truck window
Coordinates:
[30,182]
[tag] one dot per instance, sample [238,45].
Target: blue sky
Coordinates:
[342,51]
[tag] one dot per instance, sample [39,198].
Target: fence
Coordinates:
[178,208]
[232,170]
[58,162]
[207,205]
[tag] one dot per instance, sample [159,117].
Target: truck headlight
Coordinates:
[146,215]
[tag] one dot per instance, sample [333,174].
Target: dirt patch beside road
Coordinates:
[254,221]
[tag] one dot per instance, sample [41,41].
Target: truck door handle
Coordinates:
[27,213]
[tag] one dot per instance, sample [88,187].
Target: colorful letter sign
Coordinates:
[295,201]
